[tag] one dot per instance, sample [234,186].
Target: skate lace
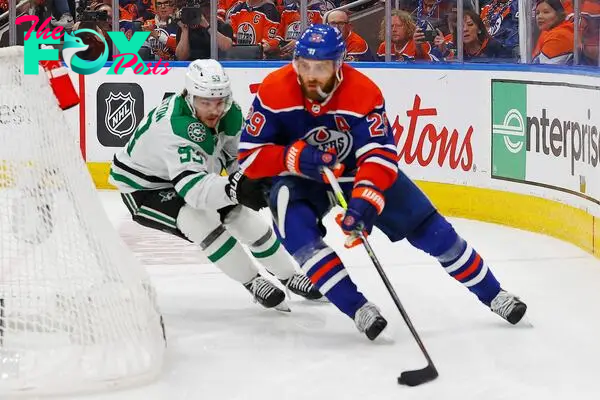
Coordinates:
[262,288]
[503,304]
[365,316]
[300,283]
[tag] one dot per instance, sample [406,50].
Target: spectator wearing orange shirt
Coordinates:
[357,48]
[590,32]
[404,46]
[162,41]
[225,7]
[555,44]
[290,25]
[256,22]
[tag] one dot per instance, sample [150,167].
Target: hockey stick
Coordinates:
[409,378]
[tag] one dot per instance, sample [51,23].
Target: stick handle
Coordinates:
[337,189]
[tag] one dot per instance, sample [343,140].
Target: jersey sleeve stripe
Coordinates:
[182,176]
[370,146]
[125,180]
[187,183]
[383,162]
[250,145]
[134,181]
[380,153]
[141,175]
[247,158]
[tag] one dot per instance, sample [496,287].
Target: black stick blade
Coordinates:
[418,377]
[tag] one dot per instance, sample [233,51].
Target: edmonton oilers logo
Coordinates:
[326,139]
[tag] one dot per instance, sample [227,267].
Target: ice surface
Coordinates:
[224,346]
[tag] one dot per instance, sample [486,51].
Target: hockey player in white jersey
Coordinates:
[169,176]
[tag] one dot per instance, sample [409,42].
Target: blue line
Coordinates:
[552,69]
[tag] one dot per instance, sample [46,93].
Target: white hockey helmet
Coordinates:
[207,79]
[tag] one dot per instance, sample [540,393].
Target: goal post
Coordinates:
[78,312]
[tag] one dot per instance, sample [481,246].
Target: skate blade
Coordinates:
[282,307]
[322,300]
[525,322]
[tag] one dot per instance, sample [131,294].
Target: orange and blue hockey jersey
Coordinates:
[352,121]
[290,25]
[255,25]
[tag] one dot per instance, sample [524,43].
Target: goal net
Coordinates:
[77,311]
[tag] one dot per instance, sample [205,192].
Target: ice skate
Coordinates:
[302,286]
[508,306]
[267,294]
[369,320]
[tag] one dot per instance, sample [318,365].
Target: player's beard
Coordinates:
[317,91]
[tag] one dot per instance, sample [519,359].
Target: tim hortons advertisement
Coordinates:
[547,135]
[430,130]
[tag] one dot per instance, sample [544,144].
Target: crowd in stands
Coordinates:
[421,30]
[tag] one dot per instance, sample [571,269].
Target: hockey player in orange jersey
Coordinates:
[333,116]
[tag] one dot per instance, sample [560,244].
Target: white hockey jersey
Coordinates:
[171,148]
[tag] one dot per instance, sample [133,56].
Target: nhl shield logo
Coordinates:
[120,117]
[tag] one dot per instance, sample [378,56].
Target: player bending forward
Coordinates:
[330,105]
[169,178]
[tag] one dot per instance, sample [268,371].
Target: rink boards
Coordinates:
[514,145]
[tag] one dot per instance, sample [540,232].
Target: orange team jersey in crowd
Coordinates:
[407,53]
[225,7]
[357,48]
[255,25]
[165,43]
[314,5]
[290,25]
[555,46]
[128,12]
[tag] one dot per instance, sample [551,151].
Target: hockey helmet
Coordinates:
[321,42]
[207,79]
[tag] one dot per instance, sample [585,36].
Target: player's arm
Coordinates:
[377,164]
[233,122]
[260,157]
[187,157]
[375,151]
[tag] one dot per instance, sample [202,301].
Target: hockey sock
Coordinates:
[254,231]
[438,238]
[299,230]
[219,246]
[327,272]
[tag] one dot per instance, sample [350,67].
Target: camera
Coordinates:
[89,15]
[192,12]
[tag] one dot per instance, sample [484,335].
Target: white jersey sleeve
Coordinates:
[174,147]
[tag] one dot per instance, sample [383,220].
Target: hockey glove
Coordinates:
[365,205]
[247,192]
[302,158]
